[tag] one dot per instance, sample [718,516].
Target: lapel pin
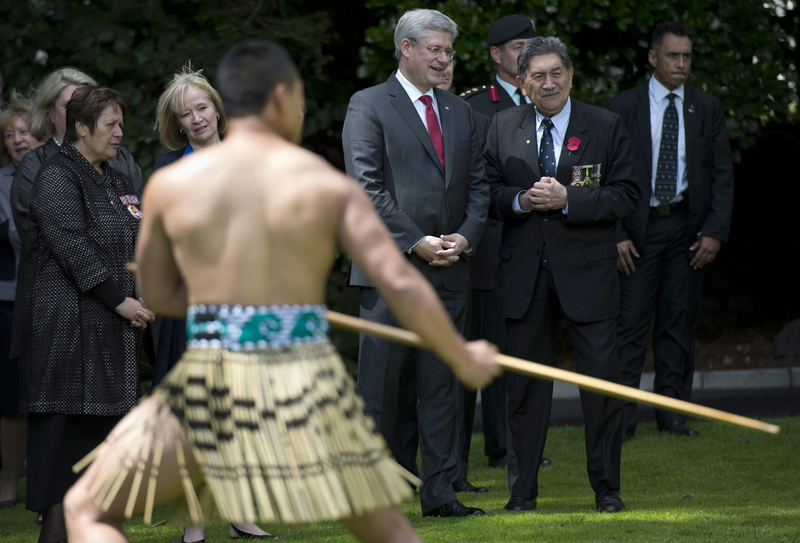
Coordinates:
[447,108]
[527,142]
[691,108]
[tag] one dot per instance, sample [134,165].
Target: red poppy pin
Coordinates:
[573,144]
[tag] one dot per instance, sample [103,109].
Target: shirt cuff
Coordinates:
[411,249]
[515,205]
[109,293]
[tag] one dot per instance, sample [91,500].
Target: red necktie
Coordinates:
[433,127]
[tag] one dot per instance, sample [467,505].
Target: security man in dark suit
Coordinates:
[505,38]
[684,168]
[561,174]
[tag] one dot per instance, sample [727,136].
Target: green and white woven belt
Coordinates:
[242,328]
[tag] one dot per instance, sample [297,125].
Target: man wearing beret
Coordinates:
[506,38]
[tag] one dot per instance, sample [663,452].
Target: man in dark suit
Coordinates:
[684,168]
[415,150]
[506,38]
[561,174]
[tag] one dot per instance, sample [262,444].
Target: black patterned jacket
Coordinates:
[77,356]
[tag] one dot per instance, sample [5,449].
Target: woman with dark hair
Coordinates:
[81,318]
[16,143]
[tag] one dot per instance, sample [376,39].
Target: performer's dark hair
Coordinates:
[249,72]
[676,29]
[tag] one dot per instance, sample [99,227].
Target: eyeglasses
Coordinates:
[436,51]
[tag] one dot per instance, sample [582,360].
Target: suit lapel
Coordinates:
[527,133]
[689,122]
[575,129]
[402,104]
[643,118]
[448,132]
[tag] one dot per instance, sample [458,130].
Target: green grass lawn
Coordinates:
[728,485]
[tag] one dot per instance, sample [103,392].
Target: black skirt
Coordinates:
[55,443]
[171,346]
[9,367]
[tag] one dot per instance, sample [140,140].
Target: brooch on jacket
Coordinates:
[132,203]
[587,175]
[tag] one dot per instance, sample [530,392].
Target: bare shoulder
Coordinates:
[313,173]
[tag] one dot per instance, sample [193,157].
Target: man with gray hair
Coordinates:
[415,150]
[561,174]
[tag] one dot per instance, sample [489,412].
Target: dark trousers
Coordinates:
[695,291]
[411,392]
[483,322]
[660,284]
[529,400]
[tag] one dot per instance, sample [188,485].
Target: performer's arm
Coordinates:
[363,235]
[159,279]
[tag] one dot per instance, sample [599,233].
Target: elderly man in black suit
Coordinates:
[415,150]
[561,174]
[684,168]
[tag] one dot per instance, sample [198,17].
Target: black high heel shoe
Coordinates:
[236,533]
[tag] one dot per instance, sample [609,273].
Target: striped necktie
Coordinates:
[667,167]
[547,151]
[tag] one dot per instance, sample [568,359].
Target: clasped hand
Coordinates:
[441,251]
[545,195]
[135,311]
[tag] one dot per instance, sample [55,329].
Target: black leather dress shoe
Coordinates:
[678,428]
[454,509]
[465,486]
[517,503]
[546,461]
[608,501]
[627,435]
[501,462]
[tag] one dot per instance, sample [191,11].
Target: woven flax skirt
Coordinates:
[273,419]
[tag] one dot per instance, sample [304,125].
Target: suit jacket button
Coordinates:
[443,225]
[544,221]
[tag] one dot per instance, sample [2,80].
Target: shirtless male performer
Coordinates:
[255,221]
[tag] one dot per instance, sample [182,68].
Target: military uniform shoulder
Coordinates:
[475,91]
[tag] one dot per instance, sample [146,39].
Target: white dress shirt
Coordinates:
[414,94]
[658,105]
[512,91]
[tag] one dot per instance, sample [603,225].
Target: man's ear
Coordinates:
[405,47]
[494,52]
[519,84]
[652,58]
[278,96]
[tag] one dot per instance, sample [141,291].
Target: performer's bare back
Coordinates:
[254,220]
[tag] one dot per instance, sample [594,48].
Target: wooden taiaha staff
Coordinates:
[540,371]
[549,373]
